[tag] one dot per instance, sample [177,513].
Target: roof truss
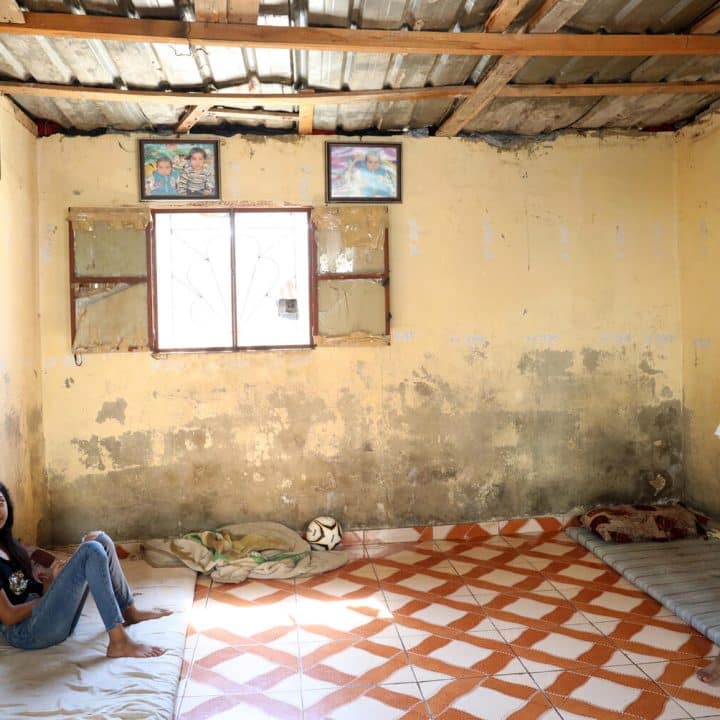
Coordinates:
[544,42]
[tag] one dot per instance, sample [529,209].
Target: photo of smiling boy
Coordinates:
[196,180]
[163,180]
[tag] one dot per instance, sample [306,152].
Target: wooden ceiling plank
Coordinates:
[550,17]
[191,118]
[708,25]
[547,43]
[504,14]
[243,11]
[10,12]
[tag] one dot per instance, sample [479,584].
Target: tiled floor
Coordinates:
[514,627]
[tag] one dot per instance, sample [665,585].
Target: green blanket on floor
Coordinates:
[233,553]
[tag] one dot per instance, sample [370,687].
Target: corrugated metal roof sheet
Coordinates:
[178,67]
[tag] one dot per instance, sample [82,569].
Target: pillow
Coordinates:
[157,554]
[636,523]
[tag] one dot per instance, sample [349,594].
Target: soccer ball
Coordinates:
[323,533]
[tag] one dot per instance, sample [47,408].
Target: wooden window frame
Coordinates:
[383,277]
[77,281]
[232,211]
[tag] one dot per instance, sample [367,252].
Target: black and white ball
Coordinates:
[323,533]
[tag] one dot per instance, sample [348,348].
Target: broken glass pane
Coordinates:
[107,251]
[350,239]
[334,256]
[110,317]
[347,306]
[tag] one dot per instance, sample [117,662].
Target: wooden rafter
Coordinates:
[551,16]
[243,11]
[610,89]
[233,11]
[709,24]
[211,10]
[190,118]
[306,119]
[545,42]
[254,114]
[270,100]
[307,115]
[306,102]
[504,13]
[10,12]
[227,11]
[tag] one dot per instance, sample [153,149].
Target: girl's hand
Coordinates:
[48,576]
[56,568]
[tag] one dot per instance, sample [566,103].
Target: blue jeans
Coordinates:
[95,567]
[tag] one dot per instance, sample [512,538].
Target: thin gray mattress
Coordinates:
[682,575]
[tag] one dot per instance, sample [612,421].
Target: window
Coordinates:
[226,280]
[108,279]
[352,275]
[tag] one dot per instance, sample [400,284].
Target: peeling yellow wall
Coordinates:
[698,150]
[535,365]
[21,439]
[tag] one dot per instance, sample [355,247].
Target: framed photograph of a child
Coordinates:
[363,172]
[170,169]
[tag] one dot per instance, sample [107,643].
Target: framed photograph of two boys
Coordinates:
[170,169]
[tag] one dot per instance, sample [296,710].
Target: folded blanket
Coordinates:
[233,553]
[638,523]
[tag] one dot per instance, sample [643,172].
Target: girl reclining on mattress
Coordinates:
[43,611]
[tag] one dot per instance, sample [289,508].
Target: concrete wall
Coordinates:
[698,149]
[21,438]
[536,363]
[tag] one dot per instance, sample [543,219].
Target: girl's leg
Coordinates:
[120,586]
[122,591]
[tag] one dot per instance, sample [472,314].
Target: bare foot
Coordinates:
[133,616]
[710,674]
[129,648]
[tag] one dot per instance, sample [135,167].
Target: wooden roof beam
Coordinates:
[307,115]
[544,42]
[269,100]
[551,16]
[10,12]
[243,11]
[306,102]
[191,118]
[609,89]
[254,114]
[233,11]
[505,12]
[709,24]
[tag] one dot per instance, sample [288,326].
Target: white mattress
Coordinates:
[76,680]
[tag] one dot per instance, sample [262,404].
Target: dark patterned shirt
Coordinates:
[17,587]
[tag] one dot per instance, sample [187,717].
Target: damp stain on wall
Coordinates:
[433,451]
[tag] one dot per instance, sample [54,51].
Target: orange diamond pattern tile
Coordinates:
[449,623]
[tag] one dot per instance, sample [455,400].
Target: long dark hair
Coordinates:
[16,552]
